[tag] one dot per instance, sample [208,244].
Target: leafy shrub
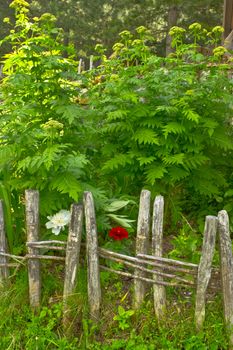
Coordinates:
[165,123]
[41,138]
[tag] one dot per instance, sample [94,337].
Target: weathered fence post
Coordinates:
[142,243]
[4,271]
[226,267]
[157,250]
[72,257]
[91,63]
[204,268]
[32,225]
[80,66]
[94,289]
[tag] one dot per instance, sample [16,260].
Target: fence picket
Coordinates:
[72,258]
[142,245]
[226,268]
[32,226]
[157,250]
[94,289]
[204,269]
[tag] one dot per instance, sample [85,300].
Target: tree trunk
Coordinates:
[228,17]
[172,18]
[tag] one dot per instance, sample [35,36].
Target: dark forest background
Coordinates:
[89,22]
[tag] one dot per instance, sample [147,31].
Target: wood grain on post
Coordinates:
[157,250]
[94,289]
[142,244]
[204,268]
[32,226]
[4,270]
[226,267]
[72,257]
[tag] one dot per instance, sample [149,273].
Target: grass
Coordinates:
[119,326]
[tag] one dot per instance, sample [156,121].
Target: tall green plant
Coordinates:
[165,122]
[41,139]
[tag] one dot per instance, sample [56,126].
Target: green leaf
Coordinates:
[211,125]
[117,127]
[121,220]
[69,112]
[191,115]
[118,114]
[173,128]
[51,154]
[116,205]
[144,136]
[177,173]
[155,172]
[222,140]
[67,183]
[75,161]
[145,160]
[229,193]
[194,161]
[130,313]
[119,160]
[121,310]
[174,159]
[7,152]
[169,110]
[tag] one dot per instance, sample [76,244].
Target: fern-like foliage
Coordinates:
[166,123]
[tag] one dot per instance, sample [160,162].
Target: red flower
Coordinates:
[118,233]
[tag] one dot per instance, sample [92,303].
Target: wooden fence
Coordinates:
[147,266]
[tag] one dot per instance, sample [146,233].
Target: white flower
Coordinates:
[58,221]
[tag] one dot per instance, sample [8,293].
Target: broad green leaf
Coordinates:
[121,220]
[229,193]
[116,205]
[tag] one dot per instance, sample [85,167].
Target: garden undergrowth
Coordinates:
[120,327]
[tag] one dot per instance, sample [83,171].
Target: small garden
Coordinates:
[135,121]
